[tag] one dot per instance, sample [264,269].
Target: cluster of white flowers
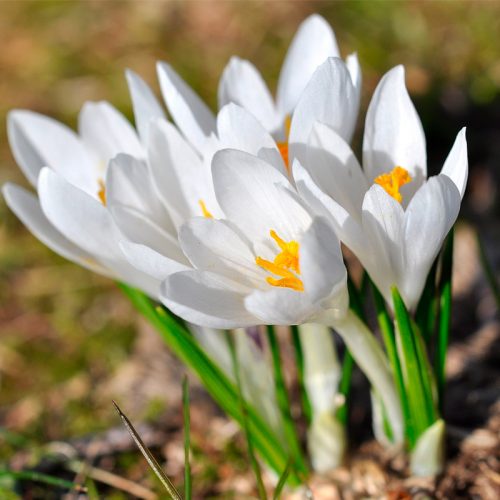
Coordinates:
[235,219]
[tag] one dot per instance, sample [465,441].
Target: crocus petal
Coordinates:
[321,263]
[106,132]
[216,245]
[393,133]
[27,208]
[181,178]
[146,105]
[248,191]
[280,306]
[206,299]
[190,113]
[242,84]
[239,129]
[129,184]
[329,98]
[149,261]
[347,227]
[428,219]
[38,141]
[456,166]
[81,218]
[335,169]
[313,43]
[354,68]
[382,225]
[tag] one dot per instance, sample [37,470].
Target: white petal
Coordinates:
[393,133]
[146,105]
[242,84]
[149,261]
[216,246]
[129,184]
[456,166]
[206,299]
[106,132]
[354,68]
[428,219]
[328,98]
[81,218]
[27,207]
[382,255]
[239,129]
[347,227]
[313,43]
[136,227]
[280,306]
[193,117]
[321,263]
[38,141]
[248,191]
[335,169]
[181,178]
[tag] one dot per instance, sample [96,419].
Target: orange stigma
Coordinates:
[204,210]
[285,265]
[393,181]
[283,145]
[102,192]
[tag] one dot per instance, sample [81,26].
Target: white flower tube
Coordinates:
[326,439]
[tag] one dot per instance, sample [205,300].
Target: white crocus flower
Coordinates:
[68,170]
[241,83]
[269,261]
[388,213]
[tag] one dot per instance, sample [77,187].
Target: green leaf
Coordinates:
[299,359]
[222,390]
[418,385]
[151,460]
[444,315]
[38,477]
[282,480]
[426,312]
[389,338]
[253,459]
[284,404]
[187,438]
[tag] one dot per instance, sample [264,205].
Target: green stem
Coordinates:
[284,404]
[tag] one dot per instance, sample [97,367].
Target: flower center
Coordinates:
[285,265]
[283,146]
[204,210]
[393,181]
[102,191]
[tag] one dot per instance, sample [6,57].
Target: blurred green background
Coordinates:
[68,339]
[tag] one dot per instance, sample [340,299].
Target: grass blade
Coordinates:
[38,477]
[299,359]
[187,439]
[155,466]
[444,315]
[282,480]
[488,271]
[426,312]
[222,390]
[284,404]
[253,459]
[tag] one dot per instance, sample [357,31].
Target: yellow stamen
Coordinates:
[204,210]
[285,264]
[102,191]
[283,146]
[393,181]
